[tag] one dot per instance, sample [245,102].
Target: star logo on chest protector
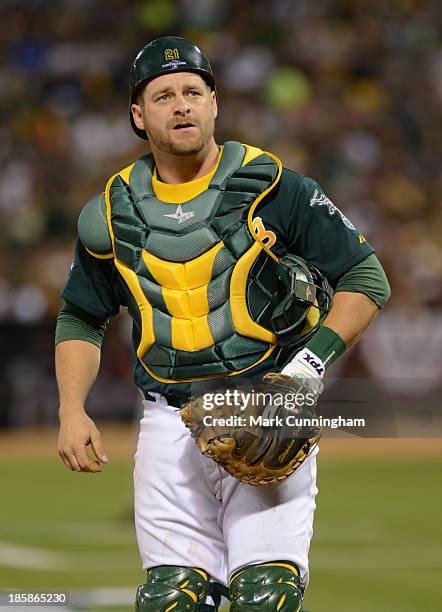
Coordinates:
[180,215]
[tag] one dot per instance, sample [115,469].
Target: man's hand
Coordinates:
[77,432]
[76,365]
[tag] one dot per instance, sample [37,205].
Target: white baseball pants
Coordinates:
[189,511]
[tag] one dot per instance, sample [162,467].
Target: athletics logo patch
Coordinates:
[267,237]
[323,200]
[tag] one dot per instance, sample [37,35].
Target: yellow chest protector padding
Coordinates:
[190,271]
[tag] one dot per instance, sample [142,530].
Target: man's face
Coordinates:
[178,113]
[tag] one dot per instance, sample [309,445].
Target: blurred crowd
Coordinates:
[345,91]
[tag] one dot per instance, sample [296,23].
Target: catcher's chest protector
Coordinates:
[202,288]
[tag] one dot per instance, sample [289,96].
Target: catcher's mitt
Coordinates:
[263,441]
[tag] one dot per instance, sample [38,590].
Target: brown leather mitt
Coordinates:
[262,436]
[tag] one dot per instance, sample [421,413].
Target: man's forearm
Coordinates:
[350,315]
[76,364]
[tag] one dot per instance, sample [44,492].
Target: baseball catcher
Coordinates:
[239,274]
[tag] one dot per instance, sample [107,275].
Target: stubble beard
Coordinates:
[166,144]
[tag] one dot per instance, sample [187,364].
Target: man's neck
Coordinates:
[174,169]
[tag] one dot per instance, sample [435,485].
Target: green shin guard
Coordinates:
[181,589]
[267,587]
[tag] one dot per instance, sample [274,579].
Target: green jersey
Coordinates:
[299,219]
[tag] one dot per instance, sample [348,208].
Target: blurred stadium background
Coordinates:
[347,92]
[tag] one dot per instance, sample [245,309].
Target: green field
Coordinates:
[377,543]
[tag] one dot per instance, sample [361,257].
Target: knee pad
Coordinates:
[181,589]
[267,587]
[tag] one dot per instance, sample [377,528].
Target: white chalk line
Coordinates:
[393,557]
[73,531]
[43,559]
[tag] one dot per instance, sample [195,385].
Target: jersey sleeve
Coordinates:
[92,284]
[319,232]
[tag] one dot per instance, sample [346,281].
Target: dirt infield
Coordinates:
[120,442]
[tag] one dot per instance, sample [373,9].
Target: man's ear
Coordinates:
[214,104]
[138,116]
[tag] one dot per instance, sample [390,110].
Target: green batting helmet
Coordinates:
[164,55]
